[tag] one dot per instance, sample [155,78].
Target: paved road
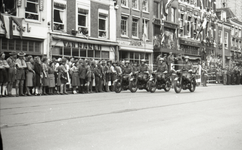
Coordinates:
[208,119]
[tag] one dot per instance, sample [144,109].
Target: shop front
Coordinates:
[134,51]
[68,46]
[167,41]
[192,49]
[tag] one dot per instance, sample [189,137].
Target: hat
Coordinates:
[22,54]
[103,62]
[161,59]
[186,57]
[143,60]
[59,59]
[127,61]
[63,60]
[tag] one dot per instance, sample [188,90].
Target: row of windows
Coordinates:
[83,19]
[77,52]
[134,56]
[135,4]
[20,45]
[135,26]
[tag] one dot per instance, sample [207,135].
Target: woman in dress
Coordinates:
[75,82]
[3,74]
[51,77]
[30,74]
[45,75]
[38,75]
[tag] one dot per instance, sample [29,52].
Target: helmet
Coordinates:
[143,60]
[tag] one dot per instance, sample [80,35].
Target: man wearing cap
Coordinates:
[162,67]
[187,66]
[143,70]
[127,70]
[20,76]
[3,74]
[108,74]
[11,72]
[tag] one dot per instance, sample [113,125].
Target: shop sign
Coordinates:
[135,43]
[82,45]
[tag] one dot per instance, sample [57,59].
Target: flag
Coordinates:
[18,22]
[145,34]
[168,4]
[7,22]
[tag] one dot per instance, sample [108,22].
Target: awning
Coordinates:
[91,41]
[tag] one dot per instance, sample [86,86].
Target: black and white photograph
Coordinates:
[120,74]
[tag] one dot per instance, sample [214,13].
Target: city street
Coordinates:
[208,119]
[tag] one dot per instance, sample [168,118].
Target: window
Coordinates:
[135,27]
[173,14]
[135,4]
[32,9]
[195,3]
[189,26]
[10,7]
[124,3]
[59,16]
[82,21]
[102,26]
[145,29]
[145,5]
[21,45]
[181,21]
[124,25]
[156,8]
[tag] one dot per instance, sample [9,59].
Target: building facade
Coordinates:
[197,28]
[134,30]
[232,36]
[165,28]
[23,26]
[82,29]
[234,5]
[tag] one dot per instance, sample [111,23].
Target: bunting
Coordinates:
[7,23]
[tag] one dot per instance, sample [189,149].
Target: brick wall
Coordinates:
[94,18]
[71,15]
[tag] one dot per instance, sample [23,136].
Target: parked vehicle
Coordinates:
[121,83]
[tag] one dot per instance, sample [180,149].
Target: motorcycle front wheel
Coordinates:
[152,86]
[177,86]
[192,86]
[132,86]
[167,86]
[117,87]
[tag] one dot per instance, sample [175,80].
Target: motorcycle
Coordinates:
[121,83]
[139,81]
[159,81]
[182,82]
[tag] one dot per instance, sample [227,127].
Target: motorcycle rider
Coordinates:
[187,68]
[143,70]
[162,67]
[127,71]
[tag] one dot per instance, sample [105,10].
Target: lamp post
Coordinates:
[223,55]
